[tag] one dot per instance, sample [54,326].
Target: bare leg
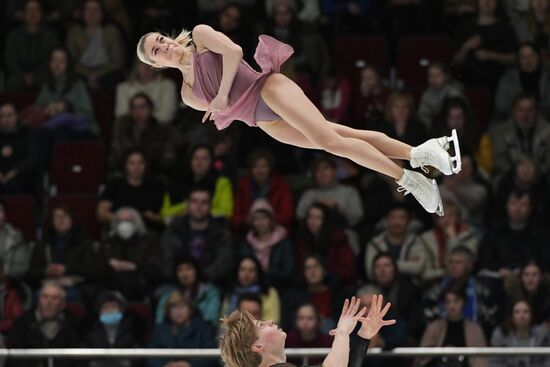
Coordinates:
[390,147]
[286,99]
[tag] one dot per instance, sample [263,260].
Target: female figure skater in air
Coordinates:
[217,80]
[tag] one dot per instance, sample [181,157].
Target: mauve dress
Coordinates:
[245,103]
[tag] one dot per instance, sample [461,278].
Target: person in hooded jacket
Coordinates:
[114,327]
[267,241]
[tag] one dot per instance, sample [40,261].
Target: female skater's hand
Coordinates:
[349,316]
[219,103]
[371,324]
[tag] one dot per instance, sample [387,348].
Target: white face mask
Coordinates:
[125,230]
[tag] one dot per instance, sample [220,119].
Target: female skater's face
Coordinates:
[162,50]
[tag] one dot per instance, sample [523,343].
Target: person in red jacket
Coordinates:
[319,235]
[262,182]
[11,305]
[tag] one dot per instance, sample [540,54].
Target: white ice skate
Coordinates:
[423,189]
[434,153]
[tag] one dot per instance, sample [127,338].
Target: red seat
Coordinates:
[482,104]
[84,210]
[351,53]
[19,99]
[104,115]
[76,309]
[415,53]
[20,211]
[77,167]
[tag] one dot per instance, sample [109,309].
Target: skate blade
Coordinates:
[456,161]
[439,210]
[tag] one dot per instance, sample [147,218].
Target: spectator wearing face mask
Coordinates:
[114,327]
[131,259]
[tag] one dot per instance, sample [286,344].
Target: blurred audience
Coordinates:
[97,47]
[400,121]
[114,327]
[199,235]
[137,189]
[453,330]
[520,330]
[16,153]
[65,255]
[200,170]
[182,328]
[343,199]
[145,79]
[249,277]
[27,49]
[408,249]
[262,182]
[525,133]
[46,325]
[485,46]
[131,256]
[307,332]
[14,251]
[189,280]
[319,234]
[139,128]
[528,77]
[268,241]
[441,86]
[372,98]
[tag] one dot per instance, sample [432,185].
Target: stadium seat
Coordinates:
[20,209]
[19,99]
[482,104]
[415,53]
[351,53]
[104,115]
[76,310]
[83,208]
[77,167]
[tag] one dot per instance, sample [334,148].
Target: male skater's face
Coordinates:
[271,338]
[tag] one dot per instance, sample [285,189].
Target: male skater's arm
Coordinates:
[370,326]
[339,352]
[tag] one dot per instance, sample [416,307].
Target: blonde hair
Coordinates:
[184,39]
[239,333]
[177,298]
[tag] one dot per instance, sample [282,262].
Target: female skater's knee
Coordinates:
[334,145]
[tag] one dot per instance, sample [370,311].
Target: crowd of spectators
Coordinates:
[195,223]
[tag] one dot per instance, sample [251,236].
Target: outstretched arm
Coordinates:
[370,326]
[339,352]
[205,37]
